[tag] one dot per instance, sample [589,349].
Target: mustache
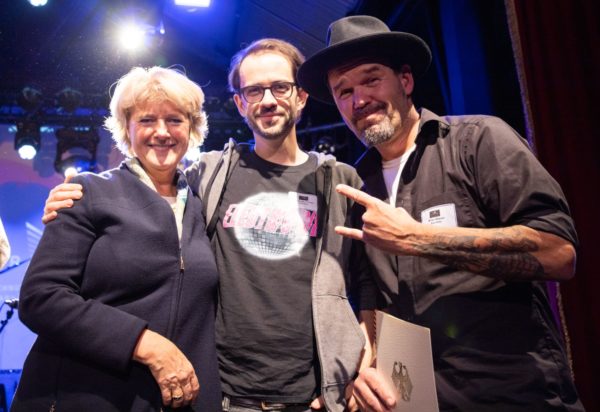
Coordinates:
[362,112]
[267,110]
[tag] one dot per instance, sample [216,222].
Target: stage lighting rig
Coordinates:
[76,149]
[27,139]
[69,99]
[30,99]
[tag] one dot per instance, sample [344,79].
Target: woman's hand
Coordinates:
[171,369]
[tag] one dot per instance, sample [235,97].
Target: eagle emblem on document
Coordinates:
[401,381]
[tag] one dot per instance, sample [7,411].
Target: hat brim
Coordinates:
[398,48]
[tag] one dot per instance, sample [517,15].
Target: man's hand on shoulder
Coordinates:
[62,196]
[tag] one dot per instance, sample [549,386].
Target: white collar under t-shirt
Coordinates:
[392,169]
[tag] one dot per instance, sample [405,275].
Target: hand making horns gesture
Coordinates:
[384,226]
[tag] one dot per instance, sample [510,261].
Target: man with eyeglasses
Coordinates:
[287,338]
[286,334]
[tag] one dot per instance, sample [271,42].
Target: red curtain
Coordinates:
[557,50]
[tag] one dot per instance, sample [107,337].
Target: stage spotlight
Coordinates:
[132,37]
[69,99]
[76,149]
[137,36]
[38,3]
[27,139]
[192,3]
[30,99]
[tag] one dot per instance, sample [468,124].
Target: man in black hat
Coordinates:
[462,223]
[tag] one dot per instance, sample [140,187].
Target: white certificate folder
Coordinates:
[404,359]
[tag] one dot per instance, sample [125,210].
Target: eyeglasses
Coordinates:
[279,90]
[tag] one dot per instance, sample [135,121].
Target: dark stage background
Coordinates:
[535,63]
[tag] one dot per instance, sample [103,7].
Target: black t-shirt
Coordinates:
[265,251]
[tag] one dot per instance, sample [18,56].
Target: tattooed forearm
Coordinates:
[503,253]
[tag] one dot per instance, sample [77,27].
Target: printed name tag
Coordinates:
[441,215]
[304,201]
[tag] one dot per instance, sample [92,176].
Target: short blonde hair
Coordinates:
[155,85]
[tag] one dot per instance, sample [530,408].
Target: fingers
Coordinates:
[49,217]
[50,210]
[171,369]
[61,197]
[178,396]
[65,191]
[57,205]
[352,405]
[165,393]
[349,232]
[356,195]
[190,389]
[317,403]
[179,389]
[195,388]
[372,392]
[69,173]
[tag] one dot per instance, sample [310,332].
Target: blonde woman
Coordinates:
[121,290]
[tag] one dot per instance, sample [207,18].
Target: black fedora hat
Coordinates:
[355,37]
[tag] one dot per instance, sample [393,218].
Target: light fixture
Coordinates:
[69,99]
[30,99]
[140,32]
[27,139]
[76,149]
[38,3]
[132,36]
[192,3]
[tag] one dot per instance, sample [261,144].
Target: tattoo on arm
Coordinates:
[503,254]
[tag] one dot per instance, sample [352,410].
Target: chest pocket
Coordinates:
[451,209]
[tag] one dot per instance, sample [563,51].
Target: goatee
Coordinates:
[273,133]
[378,133]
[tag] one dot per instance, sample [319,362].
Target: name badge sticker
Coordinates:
[440,215]
[305,201]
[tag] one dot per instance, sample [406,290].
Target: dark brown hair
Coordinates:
[289,51]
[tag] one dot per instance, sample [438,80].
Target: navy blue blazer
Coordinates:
[104,270]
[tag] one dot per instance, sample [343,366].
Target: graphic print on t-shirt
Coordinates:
[273,225]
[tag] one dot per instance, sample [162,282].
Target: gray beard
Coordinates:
[378,133]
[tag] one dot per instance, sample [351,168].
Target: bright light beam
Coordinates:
[192,3]
[27,152]
[132,37]
[38,3]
